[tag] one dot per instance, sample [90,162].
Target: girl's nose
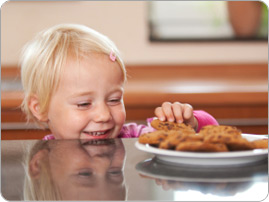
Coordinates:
[101,113]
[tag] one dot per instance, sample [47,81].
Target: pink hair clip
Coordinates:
[112,56]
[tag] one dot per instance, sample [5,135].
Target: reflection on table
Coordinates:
[116,170]
[220,181]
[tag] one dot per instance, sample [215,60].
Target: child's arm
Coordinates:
[203,119]
[183,113]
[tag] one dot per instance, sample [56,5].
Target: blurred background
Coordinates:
[211,55]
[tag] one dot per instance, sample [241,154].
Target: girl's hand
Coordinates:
[176,112]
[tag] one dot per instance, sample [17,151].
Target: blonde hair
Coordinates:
[43,58]
[42,188]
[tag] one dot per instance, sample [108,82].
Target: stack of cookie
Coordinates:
[181,137]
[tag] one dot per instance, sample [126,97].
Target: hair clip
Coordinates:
[112,56]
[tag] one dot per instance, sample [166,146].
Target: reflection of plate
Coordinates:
[155,169]
[234,158]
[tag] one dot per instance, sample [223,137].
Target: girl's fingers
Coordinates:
[187,112]
[178,112]
[159,113]
[168,112]
[183,113]
[188,116]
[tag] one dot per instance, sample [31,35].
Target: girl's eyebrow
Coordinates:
[90,93]
[81,94]
[120,89]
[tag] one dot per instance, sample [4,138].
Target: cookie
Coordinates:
[153,138]
[228,135]
[239,144]
[165,125]
[220,129]
[260,144]
[200,146]
[211,138]
[221,138]
[174,139]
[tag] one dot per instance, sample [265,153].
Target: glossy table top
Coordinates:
[117,170]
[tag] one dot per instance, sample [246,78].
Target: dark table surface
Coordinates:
[117,170]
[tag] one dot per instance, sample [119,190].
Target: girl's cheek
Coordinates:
[123,113]
[79,116]
[120,115]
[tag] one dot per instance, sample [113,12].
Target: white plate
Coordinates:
[235,158]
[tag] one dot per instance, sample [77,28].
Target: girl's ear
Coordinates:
[35,164]
[34,106]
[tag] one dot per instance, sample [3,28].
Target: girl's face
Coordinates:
[88,103]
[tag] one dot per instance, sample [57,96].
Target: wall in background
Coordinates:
[125,22]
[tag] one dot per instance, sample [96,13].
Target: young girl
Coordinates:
[73,78]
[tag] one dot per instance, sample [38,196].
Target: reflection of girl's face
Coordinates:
[83,171]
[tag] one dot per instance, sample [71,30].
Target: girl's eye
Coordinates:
[115,101]
[115,172]
[85,173]
[84,104]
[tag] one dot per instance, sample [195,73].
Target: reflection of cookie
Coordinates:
[173,140]
[260,144]
[153,138]
[199,146]
[165,125]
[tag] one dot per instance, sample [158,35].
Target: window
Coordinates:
[208,20]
